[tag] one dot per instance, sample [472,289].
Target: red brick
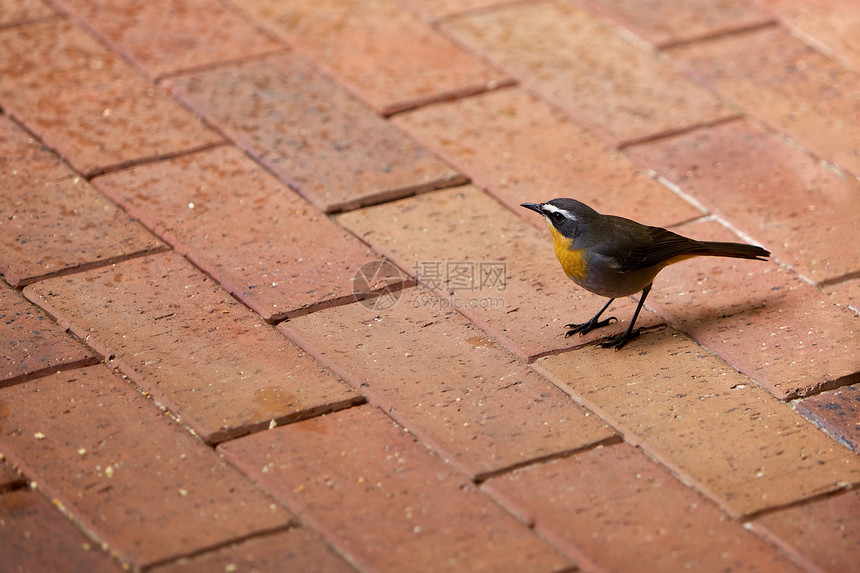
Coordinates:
[36,537]
[600,79]
[829,26]
[824,532]
[55,222]
[385,501]
[31,343]
[613,509]
[519,148]
[664,22]
[432,10]
[711,425]
[768,189]
[278,255]
[465,227]
[485,411]
[166,37]
[198,351]
[796,90]
[295,550]
[26,158]
[379,50]
[86,103]
[9,478]
[19,11]
[311,133]
[845,294]
[64,226]
[761,318]
[127,473]
[837,412]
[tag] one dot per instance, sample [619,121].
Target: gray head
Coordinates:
[566,215]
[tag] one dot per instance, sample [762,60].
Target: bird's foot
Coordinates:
[619,340]
[587,327]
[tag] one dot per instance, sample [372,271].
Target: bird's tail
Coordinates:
[735,250]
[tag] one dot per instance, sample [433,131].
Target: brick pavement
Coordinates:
[269,302]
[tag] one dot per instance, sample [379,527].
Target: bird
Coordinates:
[614,257]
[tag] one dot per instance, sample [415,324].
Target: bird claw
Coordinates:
[587,327]
[618,341]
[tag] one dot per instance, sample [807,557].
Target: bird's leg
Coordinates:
[586,327]
[618,341]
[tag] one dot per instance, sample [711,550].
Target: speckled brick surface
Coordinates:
[603,81]
[828,26]
[665,22]
[29,524]
[298,549]
[312,133]
[393,60]
[279,256]
[56,222]
[778,195]
[31,343]
[823,533]
[837,412]
[167,37]
[797,90]
[350,471]
[707,422]
[85,102]
[129,474]
[613,509]
[504,418]
[199,352]
[269,299]
[21,11]
[9,478]
[521,149]
[846,294]
[762,318]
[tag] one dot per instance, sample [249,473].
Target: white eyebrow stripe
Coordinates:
[554,209]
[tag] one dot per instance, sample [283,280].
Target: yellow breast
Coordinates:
[572,260]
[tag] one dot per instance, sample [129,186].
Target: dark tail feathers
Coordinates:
[736,250]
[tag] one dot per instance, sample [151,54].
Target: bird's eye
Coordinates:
[557,217]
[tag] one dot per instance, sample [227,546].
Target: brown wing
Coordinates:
[663,246]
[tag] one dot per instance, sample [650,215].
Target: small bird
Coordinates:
[614,257]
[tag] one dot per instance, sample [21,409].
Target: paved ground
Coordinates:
[194,194]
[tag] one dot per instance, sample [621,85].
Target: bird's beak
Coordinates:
[534,207]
